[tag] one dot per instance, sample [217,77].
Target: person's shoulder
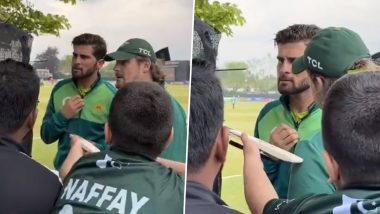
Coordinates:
[204,208]
[23,165]
[316,139]
[269,107]
[287,206]
[61,83]
[109,86]
[201,200]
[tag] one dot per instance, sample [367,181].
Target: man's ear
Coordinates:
[107,133]
[333,169]
[31,119]
[170,138]
[221,143]
[319,82]
[100,63]
[146,66]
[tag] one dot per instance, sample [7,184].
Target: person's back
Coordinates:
[127,179]
[208,142]
[115,181]
[26,186]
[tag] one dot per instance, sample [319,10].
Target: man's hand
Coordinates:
[75,153]
[72,106]
[284,137]
[257,188]
[251,151]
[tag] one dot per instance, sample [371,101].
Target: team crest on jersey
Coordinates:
[65,99]
[99,108]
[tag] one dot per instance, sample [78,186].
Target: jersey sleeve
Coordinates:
[310,176]
[54,124]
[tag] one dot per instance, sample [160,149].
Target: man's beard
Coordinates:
[83,74]
[305,85]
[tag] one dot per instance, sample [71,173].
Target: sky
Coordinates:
[264,18]
[163,23]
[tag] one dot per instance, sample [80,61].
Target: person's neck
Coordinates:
[205,176]
[18,135]
[88,81]
[301,102]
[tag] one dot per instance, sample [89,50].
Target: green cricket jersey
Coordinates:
[119,182]
[176,150]
[352,200]
[311,176]
[88,123]
[272,115]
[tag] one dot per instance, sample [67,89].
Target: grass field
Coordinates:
[243,117]
[45,153]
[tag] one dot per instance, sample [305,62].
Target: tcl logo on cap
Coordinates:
[144,51]
[315,63]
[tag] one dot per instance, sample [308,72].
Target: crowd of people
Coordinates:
[328,114]
[138,127]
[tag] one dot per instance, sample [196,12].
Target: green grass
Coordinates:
[44,154]
[243,117]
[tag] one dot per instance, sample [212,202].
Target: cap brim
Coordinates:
[118,55]
[298,65]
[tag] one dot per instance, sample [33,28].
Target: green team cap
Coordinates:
[332,52]
[132,48]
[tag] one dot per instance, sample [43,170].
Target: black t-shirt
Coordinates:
[359,199]
[201,200]
[25,185]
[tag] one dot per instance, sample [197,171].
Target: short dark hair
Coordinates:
[296,33]
[350,126]
[140,118]
[97,42]
[19,89]
[206,114]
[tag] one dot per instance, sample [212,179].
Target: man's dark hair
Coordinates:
[350,127]
[140,118]
[19,89]
[296,33]
[206,114]
[97,42]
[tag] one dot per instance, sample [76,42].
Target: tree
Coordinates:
[234,78]
[221,16]
[108,72]
[65,65]
[23,15]
[49,60]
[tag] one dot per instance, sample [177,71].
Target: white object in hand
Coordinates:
[271,149]
[87,145]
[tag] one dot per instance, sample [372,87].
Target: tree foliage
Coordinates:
[246,79]
[108,72]
[221,16]
[49,60]
[23,15]
[65,65]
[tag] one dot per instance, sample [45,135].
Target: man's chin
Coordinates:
[285,90]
